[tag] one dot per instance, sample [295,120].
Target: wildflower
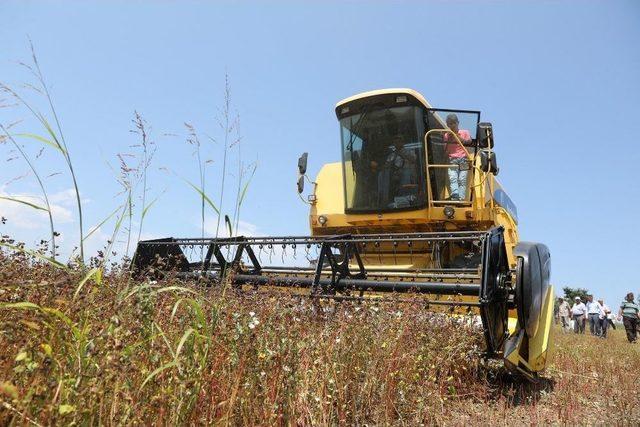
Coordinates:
[253,323]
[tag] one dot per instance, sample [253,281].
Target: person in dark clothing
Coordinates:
[604,318]
[398,173]
[593,314]
[367,163]
[630,312]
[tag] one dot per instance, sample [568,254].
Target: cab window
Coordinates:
[384,159]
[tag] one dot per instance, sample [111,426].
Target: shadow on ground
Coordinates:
[517,389]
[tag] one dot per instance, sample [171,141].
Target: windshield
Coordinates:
[383,159]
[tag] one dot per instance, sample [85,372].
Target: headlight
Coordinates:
[322,219]
[449,212]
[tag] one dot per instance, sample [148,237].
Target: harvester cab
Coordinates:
[413,207]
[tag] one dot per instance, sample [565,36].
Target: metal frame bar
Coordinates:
[329,285]
[318,240]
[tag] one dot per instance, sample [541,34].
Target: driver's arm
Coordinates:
[408,155]
[465,137]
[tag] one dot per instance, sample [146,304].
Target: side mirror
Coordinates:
[302,163]
[484,135]
[300,184]
[488,162]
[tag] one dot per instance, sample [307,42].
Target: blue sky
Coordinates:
[559,81]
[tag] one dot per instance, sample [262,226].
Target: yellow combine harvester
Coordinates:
[413,207]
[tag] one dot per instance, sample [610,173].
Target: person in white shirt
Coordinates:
[593,312]
[564,313]
[578,313]
[605,311]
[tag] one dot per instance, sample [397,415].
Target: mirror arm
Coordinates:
[303,200]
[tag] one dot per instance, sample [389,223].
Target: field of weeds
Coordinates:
[115,351]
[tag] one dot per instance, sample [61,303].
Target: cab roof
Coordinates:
[399,91]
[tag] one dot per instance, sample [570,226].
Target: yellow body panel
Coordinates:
[330,203]
[540,344]
[538,347]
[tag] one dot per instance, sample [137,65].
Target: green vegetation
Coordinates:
[53,138]
[571,293]
[117,351]
[131,174]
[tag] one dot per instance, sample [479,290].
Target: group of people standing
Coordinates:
[597,313]
[599,316]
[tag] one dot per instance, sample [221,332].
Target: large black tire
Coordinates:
[532,280]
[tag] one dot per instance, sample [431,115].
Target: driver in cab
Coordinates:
[399,157]
[398,172]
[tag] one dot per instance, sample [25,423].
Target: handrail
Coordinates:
[429,165]
[452,133]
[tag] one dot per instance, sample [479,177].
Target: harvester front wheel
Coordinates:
[527,347]
[532,281]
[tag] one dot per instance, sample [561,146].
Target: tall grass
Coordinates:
[127,353]
[36,174]
[229,126]
[59,140]
[244,177]
[127,180]
[226,124]
[132,177]
[204,356]
[148,149]
[194,141]
[55,137]
[133,170]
